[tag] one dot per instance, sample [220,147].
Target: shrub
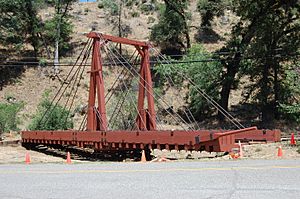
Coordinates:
[135,14]
[111,5]
[8,116]
[51,117]
[100,5]
[205,75]
[86,10]
[151,20]
[50,36]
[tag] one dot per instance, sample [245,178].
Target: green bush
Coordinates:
[51,117]
[111,5]
[66,29]
[147,8]
[205,75]
[290,107]
[151,20]
[135,14]
[8,116]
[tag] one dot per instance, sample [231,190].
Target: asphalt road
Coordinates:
[226,179]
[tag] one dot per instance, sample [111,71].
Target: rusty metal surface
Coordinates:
[146,136]
[116,140]
[260,135]
[117,39]
[96,89]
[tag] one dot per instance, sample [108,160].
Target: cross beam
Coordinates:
[146,116]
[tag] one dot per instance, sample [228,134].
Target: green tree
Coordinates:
[62,28]
[268,33]
[172,32]
[210,8]
[205,74]
[51,117]
[290,106]
[8,116]
[19,23]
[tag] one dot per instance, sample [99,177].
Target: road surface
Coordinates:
[225,179]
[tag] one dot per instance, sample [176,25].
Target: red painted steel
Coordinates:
[146,119]
[116,140]
[96,89]
[114,39]
[99,137]
[260,135]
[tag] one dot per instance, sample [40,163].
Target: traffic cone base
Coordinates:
[279,151]
[27,158]
[293,141]
[143,158]
[69,158]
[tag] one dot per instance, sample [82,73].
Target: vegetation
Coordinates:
[112,6]
[268,33]
[210,8]
[51,117]
[57,30]
[206,76]
[172,32]
[8,116]
[290,108]
[21,25]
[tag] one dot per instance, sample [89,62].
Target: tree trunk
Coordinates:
[56,58]
[232,69]
[31,27]
[120,26]
[266,108]
[181,12]
[56,53]
[276,91]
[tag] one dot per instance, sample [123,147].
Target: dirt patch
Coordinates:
[16,154]
[255,151]
[269,151]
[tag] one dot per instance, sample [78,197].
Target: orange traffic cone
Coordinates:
[293,141]
[27,158]
[279,151]
[143,158]
[241,150]
[69,158]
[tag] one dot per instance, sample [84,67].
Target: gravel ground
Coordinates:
[254,151]
[16,154]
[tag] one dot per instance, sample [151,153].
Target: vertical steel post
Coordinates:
[96,117]
[146,119]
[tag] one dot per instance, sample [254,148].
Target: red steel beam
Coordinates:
[99,138]
[117,39]
[96,89]
[259,135]
[109,140]
[146,119]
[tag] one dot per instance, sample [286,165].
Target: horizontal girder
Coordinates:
[119,40]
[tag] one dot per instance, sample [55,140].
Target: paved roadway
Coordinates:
[226,179]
